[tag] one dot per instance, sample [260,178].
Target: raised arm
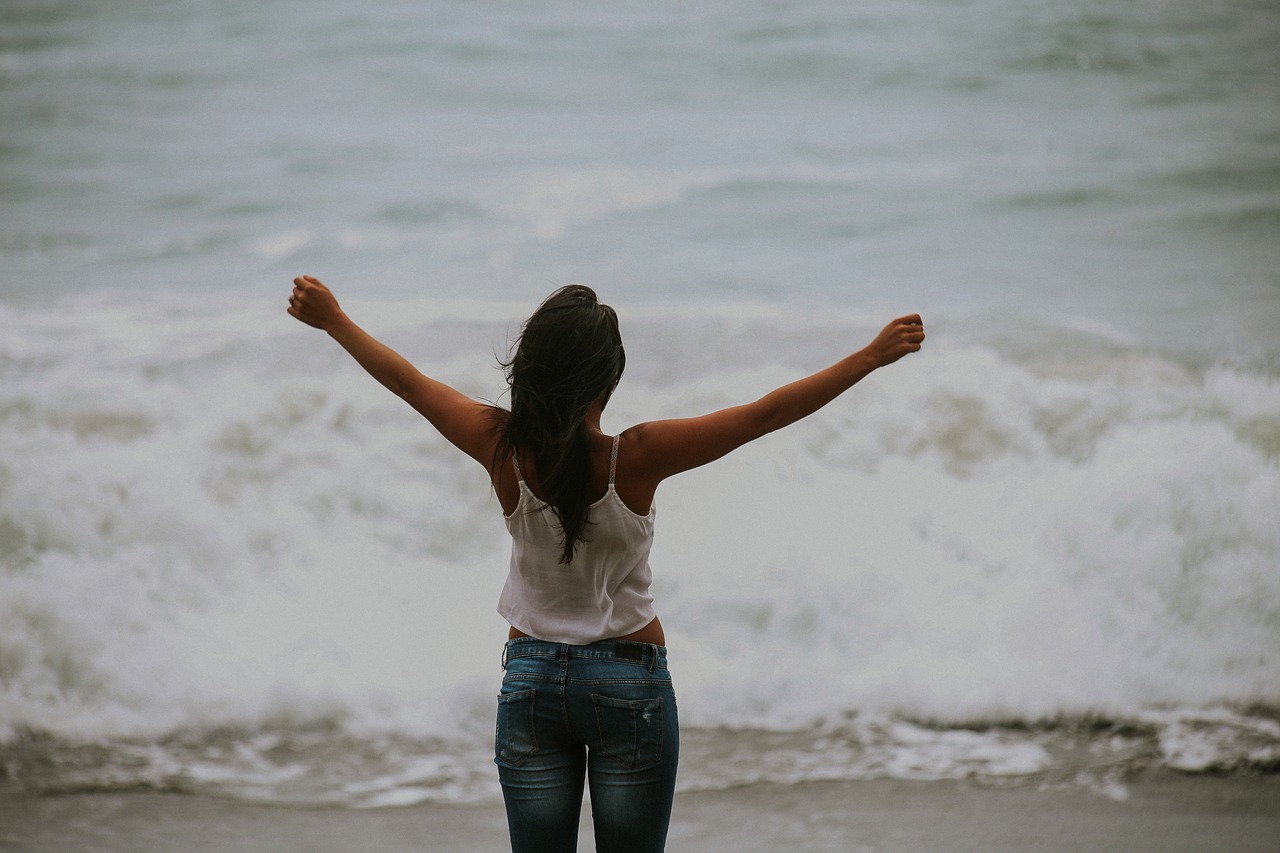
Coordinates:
[661,449]
[466,423]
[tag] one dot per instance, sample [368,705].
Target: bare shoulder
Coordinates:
[640,443]
[637,477]
[663,448]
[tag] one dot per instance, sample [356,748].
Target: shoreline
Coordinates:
[1164,811]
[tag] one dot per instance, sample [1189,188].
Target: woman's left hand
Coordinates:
[314,304]
[902,336]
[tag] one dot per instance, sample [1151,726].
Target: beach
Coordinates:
[1165,812]
[1017,592]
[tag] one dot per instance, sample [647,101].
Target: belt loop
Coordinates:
[506,649]
[653,658]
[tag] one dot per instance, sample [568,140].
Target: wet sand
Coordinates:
[1164,812]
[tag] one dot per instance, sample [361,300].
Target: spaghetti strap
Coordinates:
[613,460]
[516,463]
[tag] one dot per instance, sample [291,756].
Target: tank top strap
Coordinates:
[613,460]
[515,462]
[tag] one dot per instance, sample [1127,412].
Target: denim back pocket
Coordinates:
[630,730]
[514,742]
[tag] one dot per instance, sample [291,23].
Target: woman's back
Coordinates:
[602,592]
[628,483]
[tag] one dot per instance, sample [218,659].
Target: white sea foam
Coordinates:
[216,520]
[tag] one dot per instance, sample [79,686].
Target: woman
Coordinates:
[586,693]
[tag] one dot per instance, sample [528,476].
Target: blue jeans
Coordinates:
[605,712]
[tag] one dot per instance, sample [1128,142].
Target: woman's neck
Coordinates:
[592,420]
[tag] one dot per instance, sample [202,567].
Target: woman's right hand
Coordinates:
[902,336]
[314,304]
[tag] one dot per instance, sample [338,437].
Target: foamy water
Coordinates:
[248,535]
[229,561]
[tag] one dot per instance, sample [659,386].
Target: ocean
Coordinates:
[1046,547]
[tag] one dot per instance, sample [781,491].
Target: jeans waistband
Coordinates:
[650,655]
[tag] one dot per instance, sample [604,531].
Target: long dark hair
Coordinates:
[569,355]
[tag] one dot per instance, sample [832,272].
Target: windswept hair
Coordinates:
[569,354]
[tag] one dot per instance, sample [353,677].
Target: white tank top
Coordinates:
[603,593]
